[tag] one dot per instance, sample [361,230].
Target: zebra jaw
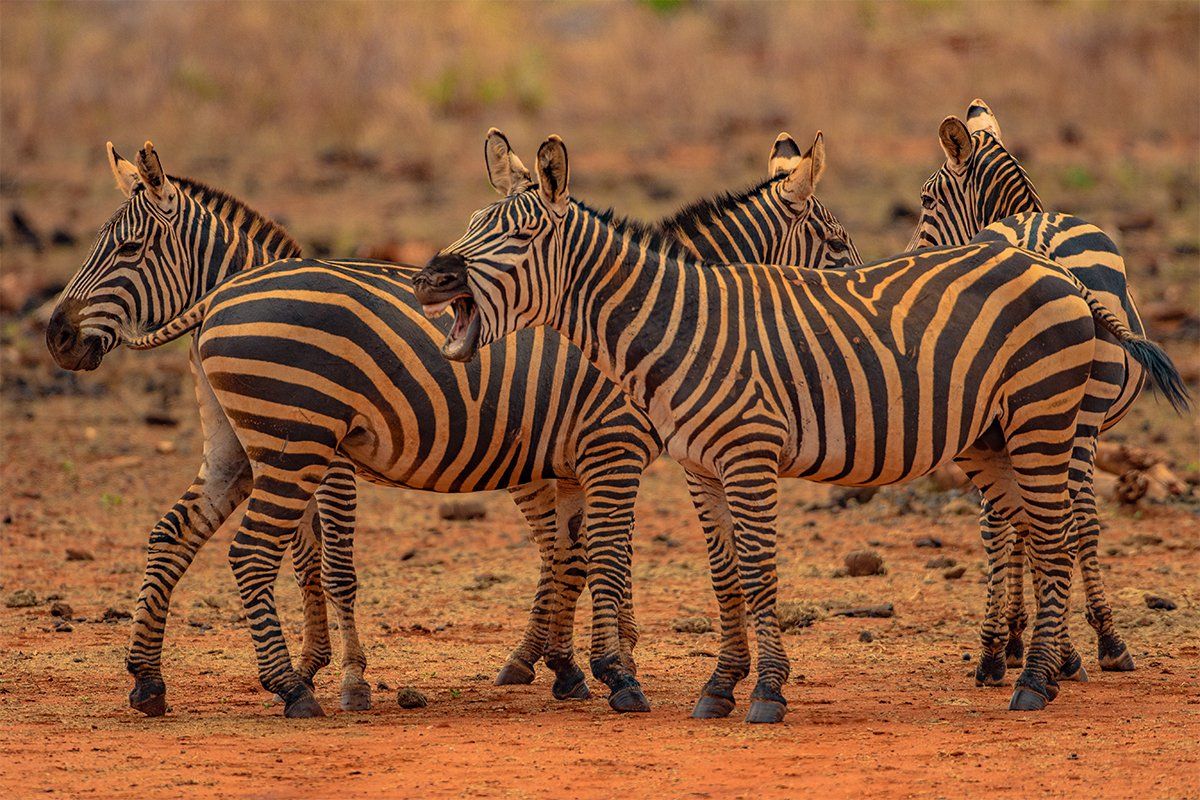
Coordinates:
[462,341]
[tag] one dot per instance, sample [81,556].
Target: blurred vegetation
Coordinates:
[359,124]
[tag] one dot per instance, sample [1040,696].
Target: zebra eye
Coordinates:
[129,249]
[927,201]
[836,245]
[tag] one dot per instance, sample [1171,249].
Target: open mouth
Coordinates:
[462,340]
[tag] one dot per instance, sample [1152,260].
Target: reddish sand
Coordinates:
[896,716]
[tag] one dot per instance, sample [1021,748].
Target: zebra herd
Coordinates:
[743,336]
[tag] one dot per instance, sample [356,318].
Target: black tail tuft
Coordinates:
[1164,378]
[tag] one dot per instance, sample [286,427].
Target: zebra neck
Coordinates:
[624,304]
[226,237]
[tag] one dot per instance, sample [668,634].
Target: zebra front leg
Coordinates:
[608,522]
[337,503]
[278,501]
[316,650]
[570,572]
[998,540]
[733,662]
[537,502]
[221,484]
[752,490]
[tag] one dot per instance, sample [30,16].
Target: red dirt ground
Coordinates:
[898,716]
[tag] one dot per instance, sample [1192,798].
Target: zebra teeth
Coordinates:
[435,310]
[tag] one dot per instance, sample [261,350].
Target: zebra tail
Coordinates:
[1164,377]
[172,330]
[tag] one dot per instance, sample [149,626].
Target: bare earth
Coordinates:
[895,716]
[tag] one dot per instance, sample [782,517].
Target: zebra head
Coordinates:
[980,183]
[812,236]
[134,279]
[498,277]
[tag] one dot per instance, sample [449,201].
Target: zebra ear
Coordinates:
[806,172]
[553,174]
[981,118]
[785,156]
[157,183]
[505,171]
[125,173]
[956,141]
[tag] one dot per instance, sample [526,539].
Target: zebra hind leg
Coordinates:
[1113,654]
[998,541]
[278,502]
[316,651]
[337,503]
[1018,618]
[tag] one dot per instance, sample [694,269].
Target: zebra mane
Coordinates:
[226,206]
[655,236]
[709,208]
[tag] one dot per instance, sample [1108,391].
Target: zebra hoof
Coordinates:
[765,712]
[1115,657]
[149,696]
[515,672]
[1073,670]
[356,697]
[712,707]
[1026,699]
[303,706]
[629,700]
[579,691]
[1014,653]
[990,671]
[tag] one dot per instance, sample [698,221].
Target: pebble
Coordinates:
[61,609]
[1161,603]
[866,636]
[164,447]
[692,625]
[954,573]
[21,598]
[115,615]
[928,541]
[408,697]
[863,562]
[462,510]
[941,562]
[75,554]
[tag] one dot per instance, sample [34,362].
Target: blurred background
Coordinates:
[360,126]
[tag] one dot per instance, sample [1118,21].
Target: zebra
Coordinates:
[981,193]
[979,353]
[807,222]
[173,241]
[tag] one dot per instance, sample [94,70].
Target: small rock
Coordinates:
[485,581]
[383,686]
[74,554]
[408,697]
[864,562]
[702,654]
[941,562]
[866,636]
[21,598]
[408,555]
[115,615]
[966,656]
[63,627]
[927,541]
[164,447]
[60,609]
[1161,603]
[954,573]
[793,615]
[462,510]
[692,625]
